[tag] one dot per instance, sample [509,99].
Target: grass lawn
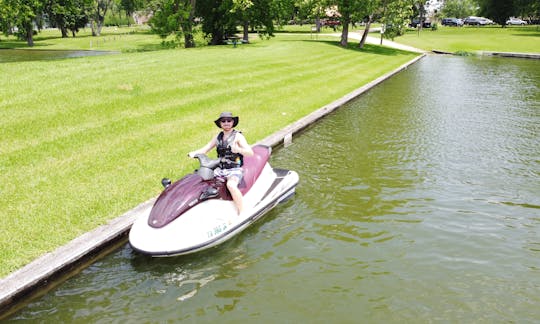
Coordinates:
[471,39]
[87,139]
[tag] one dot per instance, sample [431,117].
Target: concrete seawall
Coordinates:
[512,54]
[49,270]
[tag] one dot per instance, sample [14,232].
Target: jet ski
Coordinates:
[197,212]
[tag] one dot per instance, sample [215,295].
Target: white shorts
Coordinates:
[229,173]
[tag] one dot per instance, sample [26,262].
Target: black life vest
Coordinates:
[231,159]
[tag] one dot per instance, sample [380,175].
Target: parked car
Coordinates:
[471,21]
[478,21]
[516,21]
[452,22]
[415,22]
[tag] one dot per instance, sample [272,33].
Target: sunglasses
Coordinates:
[226,120]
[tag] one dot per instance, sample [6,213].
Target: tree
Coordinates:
[498,10]
[528,8]
[218,19]
[311,10]
[459,8]
[240,9]
[367,11]
[130,6]
[284,11]
[174,17]
[256,14]
[346,9]
[67,15]
[21,15]
[96,14]
[395,15]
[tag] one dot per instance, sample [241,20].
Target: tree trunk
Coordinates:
[93,27]
[365,34]
[189,41]
[217,37]
[345,22]
[318,24]
[245,37]
[64,31]
[345,34]
[30,34]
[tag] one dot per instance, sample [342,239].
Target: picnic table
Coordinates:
[234,40]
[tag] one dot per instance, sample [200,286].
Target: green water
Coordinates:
[419,202]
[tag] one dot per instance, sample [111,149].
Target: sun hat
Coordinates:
[226,114]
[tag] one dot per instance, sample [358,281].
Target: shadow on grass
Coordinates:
[12,44]
[529,34]
[368,48]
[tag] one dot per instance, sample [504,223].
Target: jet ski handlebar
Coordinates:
[206,162]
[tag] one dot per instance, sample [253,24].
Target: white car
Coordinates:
[516,21]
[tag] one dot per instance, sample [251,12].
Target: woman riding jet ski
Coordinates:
[218,201]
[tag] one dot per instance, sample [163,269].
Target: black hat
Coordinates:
[226,114]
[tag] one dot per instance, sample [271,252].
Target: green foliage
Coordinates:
[118,20]
[498,10]
[459,8]
[219,20]
[21,15]
[396,15]
[173,17]
[67,15]
[463,53]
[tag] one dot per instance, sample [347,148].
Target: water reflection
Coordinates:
[418,202]
[21,55]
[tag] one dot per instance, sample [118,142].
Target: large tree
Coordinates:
[528,8]
[218,22]
[284,11]
[255,14]
[174,17]
[366,13]
[130,6]
[96,15]
[498,10]
[395,16]
[459,8]
[310,10]
[21,16]
[67,15]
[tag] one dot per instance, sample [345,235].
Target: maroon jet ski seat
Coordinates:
[253,166]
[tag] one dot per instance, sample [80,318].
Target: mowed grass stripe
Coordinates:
[120,101]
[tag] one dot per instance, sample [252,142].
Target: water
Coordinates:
[418,202]
[21,55]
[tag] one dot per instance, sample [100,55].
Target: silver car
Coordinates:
[516,21]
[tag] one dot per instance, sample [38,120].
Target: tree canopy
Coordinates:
[219,19]
[459,8]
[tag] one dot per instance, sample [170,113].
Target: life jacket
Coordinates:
[224,151]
